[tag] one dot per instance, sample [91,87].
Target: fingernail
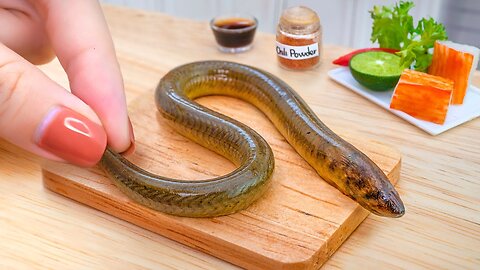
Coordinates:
[131,148]
[71,136]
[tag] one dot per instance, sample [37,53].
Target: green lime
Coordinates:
[378,71]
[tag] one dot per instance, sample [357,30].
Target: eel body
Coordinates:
[335,160]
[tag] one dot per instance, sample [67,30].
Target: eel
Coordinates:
[336,161]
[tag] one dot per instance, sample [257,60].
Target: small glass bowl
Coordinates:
[234,33]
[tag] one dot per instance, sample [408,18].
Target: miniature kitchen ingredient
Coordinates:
[299,39]
[393,28]
[456,62]
[345,59]
[376,70]
[335,160]
[423,96]
[234,34]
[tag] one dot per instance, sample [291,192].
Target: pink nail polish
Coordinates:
[71,136]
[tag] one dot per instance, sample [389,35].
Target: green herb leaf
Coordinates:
[393,28]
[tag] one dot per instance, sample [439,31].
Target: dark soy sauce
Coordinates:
[234,32]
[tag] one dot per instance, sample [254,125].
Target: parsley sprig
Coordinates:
[393,28]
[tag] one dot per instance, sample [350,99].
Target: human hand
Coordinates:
[39,115]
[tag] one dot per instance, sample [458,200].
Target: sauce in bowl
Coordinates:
[234,34]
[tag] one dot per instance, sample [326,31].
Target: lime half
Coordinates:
[378,71]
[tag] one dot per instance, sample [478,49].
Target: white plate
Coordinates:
[457,114]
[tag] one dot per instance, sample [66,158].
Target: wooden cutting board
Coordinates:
[297,224]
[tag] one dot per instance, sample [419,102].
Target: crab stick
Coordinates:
[456,62]
[422,96]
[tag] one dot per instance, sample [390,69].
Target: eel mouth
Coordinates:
[389,205]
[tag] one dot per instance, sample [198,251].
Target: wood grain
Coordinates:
[439,182]
[297,224]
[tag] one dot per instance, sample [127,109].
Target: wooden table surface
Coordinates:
[439,182]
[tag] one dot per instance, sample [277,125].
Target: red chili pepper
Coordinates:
[343,60]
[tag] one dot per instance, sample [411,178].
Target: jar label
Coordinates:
[297,52]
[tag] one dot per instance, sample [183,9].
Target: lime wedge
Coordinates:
[378,71]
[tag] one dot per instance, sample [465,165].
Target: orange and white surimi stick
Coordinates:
[456,62]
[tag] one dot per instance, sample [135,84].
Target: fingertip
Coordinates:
[131,149]
[120,136]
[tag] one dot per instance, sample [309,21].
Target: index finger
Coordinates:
[82,42]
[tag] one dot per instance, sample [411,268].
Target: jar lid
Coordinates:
[299,20]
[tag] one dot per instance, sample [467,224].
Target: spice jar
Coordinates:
[299,38]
